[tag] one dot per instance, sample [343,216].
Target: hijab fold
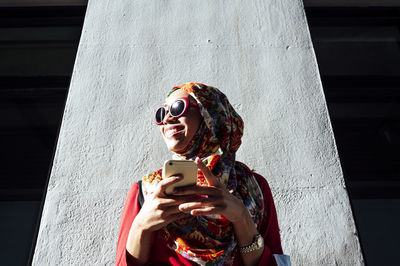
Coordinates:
[210,240]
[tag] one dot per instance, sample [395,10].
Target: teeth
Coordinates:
[170,132]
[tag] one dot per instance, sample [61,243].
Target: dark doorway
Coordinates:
[37,51]
[358,54]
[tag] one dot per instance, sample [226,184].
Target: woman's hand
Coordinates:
[157,211]
[160,209]
[215,199]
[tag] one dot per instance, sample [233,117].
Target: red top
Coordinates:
[164,256]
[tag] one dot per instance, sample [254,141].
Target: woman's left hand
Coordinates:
[215,199]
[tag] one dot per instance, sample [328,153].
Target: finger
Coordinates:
[205,211]
[177,216]
[171,205]
[188,206]
[209,191]
[172,210]
[167,182]
[168,202]
[176,191]
[176,200]
[211,179]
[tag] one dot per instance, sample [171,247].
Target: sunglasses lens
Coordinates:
[177,108]
[160,114]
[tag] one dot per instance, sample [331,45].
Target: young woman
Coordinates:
[228,218]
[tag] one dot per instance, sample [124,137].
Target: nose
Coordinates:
[168,117]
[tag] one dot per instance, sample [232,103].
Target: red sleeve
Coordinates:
[269,228]
[131,209]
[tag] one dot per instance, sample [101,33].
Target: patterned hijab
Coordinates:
[210,239]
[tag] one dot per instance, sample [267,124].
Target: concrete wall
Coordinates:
[130,54]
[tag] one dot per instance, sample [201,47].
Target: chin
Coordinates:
[175,146]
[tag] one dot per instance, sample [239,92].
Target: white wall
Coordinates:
[130,54]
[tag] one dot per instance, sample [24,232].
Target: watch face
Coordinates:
[260,241]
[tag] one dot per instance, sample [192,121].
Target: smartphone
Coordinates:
[186,168]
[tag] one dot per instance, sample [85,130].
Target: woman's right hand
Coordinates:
[160,209]
[157,211]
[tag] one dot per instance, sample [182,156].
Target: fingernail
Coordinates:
[178,177]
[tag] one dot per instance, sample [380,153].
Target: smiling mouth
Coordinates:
[173,131]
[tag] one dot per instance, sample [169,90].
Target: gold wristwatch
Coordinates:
[258,243]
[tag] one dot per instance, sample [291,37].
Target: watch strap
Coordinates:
[255,245]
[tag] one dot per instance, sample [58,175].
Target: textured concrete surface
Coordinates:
[130,54]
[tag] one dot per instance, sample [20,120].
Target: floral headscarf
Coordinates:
[210,240]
